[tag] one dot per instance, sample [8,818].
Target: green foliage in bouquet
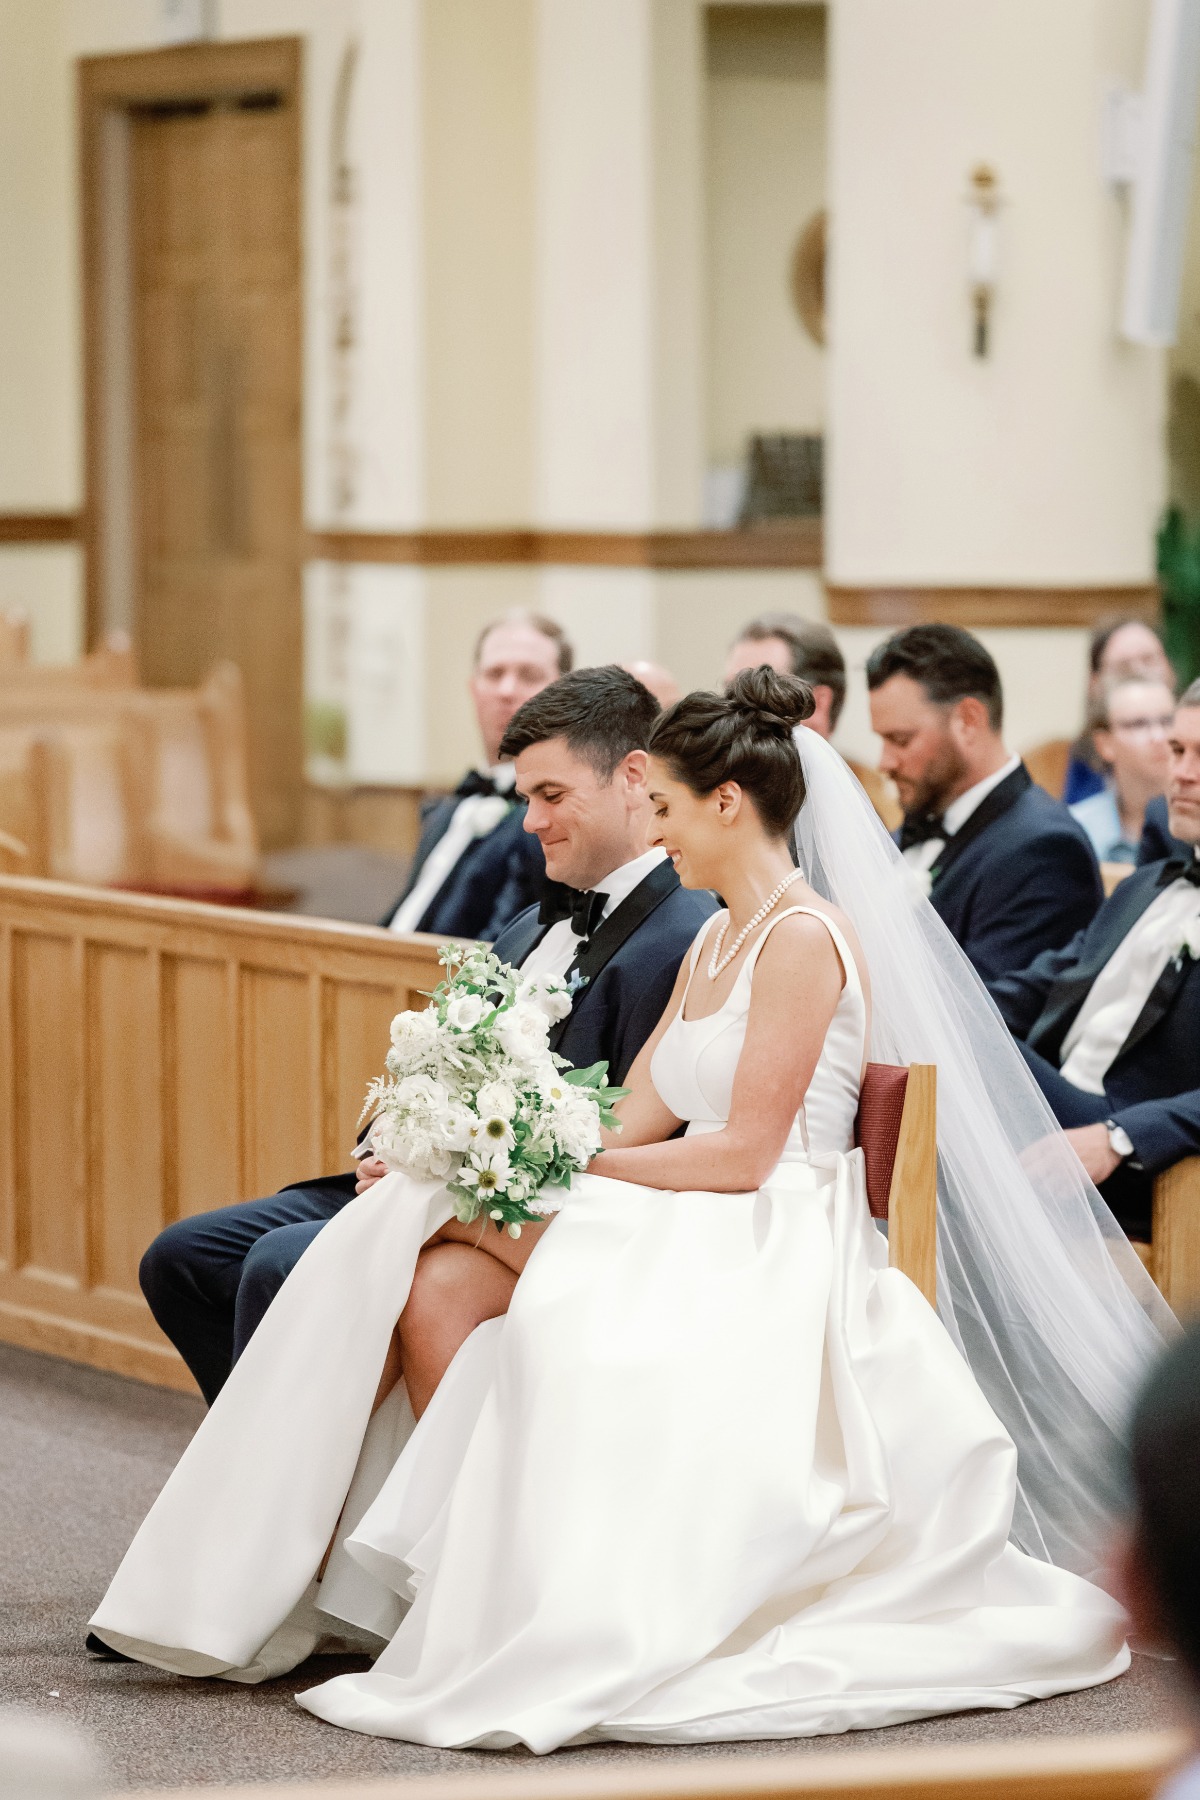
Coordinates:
[474,1096]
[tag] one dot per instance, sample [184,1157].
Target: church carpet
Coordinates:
[82,1455]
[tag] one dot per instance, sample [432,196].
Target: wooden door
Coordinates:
[215,191]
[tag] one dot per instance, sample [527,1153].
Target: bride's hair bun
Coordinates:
[783,698]
[743,735]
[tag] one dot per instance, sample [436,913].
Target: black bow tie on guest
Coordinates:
[585,910]
[918,828]
[1178,868]
[475,782]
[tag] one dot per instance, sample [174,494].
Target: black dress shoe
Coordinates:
[102,1652]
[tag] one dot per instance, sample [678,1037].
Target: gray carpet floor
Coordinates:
[82,1455]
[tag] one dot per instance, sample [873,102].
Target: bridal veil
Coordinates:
[1037,1283]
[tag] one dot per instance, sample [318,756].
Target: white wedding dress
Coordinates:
[718,1473]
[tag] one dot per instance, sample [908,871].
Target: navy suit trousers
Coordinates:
[209,1280]
[1129,1192]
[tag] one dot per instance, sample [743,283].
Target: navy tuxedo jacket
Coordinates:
[1152,1082]
[628,968]
[1157,842]
[495,878]
[1019,878]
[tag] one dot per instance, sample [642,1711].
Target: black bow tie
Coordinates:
[474,782]
[918,828]
[1178,868]
[585,910]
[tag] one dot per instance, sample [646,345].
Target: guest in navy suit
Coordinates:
[1009,870]
[617,918]
[475,868]
[1110,1023]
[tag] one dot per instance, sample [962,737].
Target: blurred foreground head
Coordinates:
[794,646]
[1161,1575]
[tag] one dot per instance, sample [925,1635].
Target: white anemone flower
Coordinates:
[493,1132]
[487,1172]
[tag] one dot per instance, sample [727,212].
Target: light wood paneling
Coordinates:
[797,545]
[1113,1766]
[1175,1236]
[158,1058]
[912,1206]
[976,608]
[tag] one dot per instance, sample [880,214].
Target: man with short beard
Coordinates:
[1007,868]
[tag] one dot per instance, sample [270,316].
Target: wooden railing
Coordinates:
[157,1058]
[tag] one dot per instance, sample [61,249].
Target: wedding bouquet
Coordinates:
[474,1096]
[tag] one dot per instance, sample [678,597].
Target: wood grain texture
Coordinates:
[1114,1766]
[980,607]
[1175,1236]
[798,545]
[912,1205]
[158,1058]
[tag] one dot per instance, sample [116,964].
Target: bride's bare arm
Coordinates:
[797,982]
[644,1118]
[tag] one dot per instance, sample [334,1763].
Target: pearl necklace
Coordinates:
[715,966]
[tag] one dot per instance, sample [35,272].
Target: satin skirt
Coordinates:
[718,1473]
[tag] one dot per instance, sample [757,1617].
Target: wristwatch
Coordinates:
[1119,1141]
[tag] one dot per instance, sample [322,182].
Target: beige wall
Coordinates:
[1042,464]
[765,178]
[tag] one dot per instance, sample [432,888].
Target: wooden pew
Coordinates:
[110,666]
[158,1058]
[1117,1766]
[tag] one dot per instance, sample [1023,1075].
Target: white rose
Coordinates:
[1191,938]
[575,1127]
[548,993]
[422,1091]
[522,1032]
[454,1125]
[410,1148]
[465,1013]
[412,1034]
[496,1097]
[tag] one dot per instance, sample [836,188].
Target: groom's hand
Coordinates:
[1090,1144]
[370,1170]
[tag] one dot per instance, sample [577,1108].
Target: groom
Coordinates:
[619,920]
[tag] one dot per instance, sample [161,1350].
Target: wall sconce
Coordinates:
[984,202]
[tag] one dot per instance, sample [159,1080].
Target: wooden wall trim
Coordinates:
[796,546]
[40,527]
[179,1057]
[975,607]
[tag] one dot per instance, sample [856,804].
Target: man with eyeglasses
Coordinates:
[1133,723]
[1109,1025]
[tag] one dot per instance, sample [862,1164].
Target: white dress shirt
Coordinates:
[922,857]
[556,951]
[474,817]
[1124,985]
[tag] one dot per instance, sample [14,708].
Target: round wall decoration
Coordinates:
[808,276]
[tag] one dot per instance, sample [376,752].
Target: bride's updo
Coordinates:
[743,735]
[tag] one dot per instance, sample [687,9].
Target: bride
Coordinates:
[714,1471]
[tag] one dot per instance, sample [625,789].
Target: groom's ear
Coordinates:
[635,768]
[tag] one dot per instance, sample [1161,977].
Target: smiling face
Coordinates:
[1183,780]
[587,826]
[697,831]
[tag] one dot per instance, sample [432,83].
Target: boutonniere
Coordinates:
[922,880]
[576,983]
[490,811]
[1188,944]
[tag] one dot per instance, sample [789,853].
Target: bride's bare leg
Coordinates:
[455,1288]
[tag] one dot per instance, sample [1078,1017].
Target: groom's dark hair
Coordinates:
[948,662]
[602,714]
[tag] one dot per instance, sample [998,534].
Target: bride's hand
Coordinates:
[370,1170]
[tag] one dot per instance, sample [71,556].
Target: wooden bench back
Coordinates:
[896,1129]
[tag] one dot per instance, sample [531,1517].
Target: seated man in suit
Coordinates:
[1009,870]
[1110,1024]
[620,919]
[795,646]
[475,868]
